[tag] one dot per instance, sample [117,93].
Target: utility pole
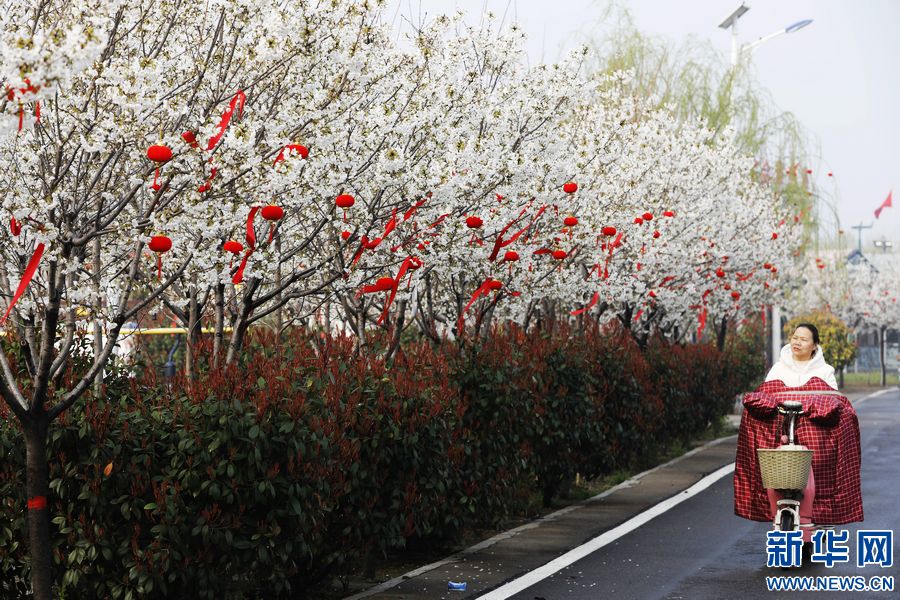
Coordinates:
[859,229]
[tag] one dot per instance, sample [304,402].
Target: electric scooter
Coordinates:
[788,478]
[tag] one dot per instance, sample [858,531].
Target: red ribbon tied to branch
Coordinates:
[702,323]
[483,290]
[251,245]
[236,102]
[390,284]
[590,305]
[30,270]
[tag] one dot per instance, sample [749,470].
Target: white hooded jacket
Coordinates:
[795,374]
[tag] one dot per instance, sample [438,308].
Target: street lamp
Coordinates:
[883,244]
[736,54]
[738,51]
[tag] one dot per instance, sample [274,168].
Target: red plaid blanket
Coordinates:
[829,428]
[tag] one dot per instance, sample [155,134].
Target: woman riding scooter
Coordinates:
[828,426]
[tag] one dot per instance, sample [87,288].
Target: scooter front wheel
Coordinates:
[787,521]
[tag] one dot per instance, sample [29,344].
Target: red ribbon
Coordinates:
[612,246]
[387,305]
[208,183]
[37,503]
[237,101]
[251,245]
[239,276]
[251,232]
[11,95]
[484,289]
[702,320]
[409,213]
[366,244]
[591,305]
[26,279]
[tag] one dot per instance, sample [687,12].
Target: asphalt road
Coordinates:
[700,550]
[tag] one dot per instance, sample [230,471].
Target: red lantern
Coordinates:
[559,254]
[767,266]
[638,220]
[345,235]
[511,256]
[652,294]
[191,138]
[570,221]
[774,236]
[570,187]
[736,295]
[720,272]
[303,151]
[272,212]
[809,171]
[493,284]
[414,263]
[345,201]
[159,155]
[159,244]
[609,230]
[829,174]
[474,222]
[233,247]
[668,213]
[648,216]
[656,235]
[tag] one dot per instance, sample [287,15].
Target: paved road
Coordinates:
[699,549]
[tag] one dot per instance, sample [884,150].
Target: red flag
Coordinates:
[885,204]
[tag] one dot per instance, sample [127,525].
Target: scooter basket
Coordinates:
[786,467]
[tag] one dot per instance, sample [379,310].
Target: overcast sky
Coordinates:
[840,76]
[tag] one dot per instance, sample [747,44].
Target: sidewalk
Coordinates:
[517,551]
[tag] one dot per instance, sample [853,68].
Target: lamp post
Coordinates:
[738,51]
[737,54]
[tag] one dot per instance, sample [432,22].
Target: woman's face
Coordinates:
[802,344]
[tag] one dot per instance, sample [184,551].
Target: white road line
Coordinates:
[460,556]
[525,581]
[874,395]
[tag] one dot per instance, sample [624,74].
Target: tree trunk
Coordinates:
[37,486]
[881,332]
[279,312]
[237,340]
[192,335]
[219,335]
[98,302]
[720,334]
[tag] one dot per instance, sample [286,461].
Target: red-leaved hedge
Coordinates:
[307,458]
